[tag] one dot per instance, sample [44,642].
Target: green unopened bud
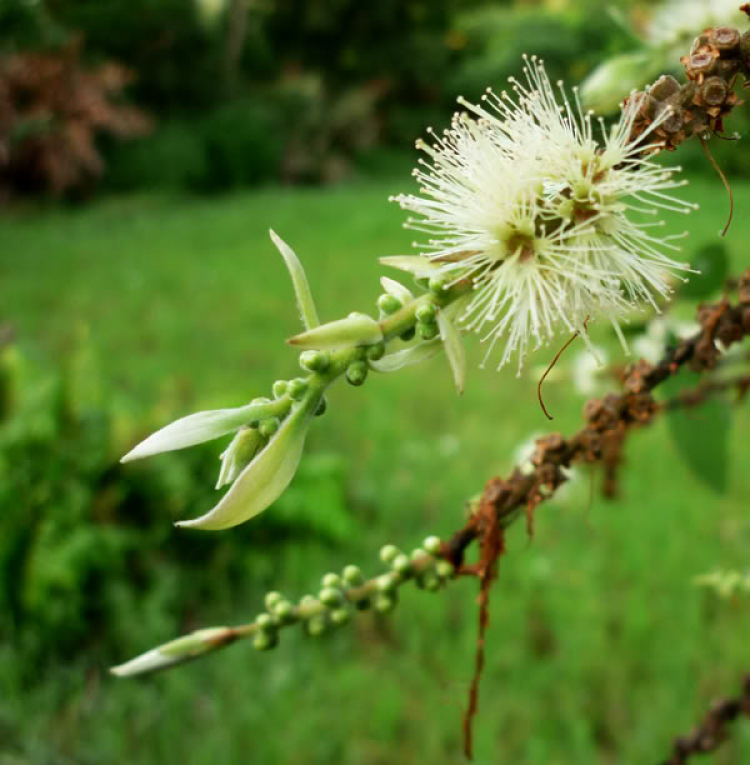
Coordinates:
[353,575]
[356,329]
[388,553]
[284,610]
[340,616]
[417,554]
[389,304]
[356,372]
[271,599]
[331,580]
[385,602]
[279,388]
[330,596]
[430,581]
[307,601]
[264,641]
[297,388]
[401,565]
[268,426]
[316,625]
[387,582]
[408,334]
[426,313]
[265,623]
[432,544]
[314,361]
[376,352]
[427,331]
[437,284]
[444,569]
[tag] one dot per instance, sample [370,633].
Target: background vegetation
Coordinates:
[122,313]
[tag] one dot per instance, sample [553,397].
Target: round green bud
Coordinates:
[388,553]
[285,611]
[353,575]
[387,582]
[376,352]
[385,602]
[268,426]
[408,334]
[417,554]
[306,601]
[314,361]
[401,565]
[388,304]
[444,569]
[297,388]
[340,616]
[264,641]
[316,625]
[432,544]
[330,596]
[265,623]
[437,284]
[272,598]
[427,331]
[430,581]
[356,372]
[279,388]
[426,313]
[331,580]
[322,406]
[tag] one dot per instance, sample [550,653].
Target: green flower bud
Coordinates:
[430,581]
[272,598]
[388,304]
[306,601]
[444,569]
[408,334]
[388,553]
[376,352]
[387,582]
[322,406]
[353,575]
[265,623]
[437,285]
[314,361]
[356,372]
[417,554]
[264,641]
[432,545]
[285,611]
[385,602]
[340,616]
[297,388]
[427,331]
[332,580]
[279,388]
[268,426]
[401,565]
[330,596]
[426,313]
[316,625]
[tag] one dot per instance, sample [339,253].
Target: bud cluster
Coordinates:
[341,594]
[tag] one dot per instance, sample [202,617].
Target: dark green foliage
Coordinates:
[712,262]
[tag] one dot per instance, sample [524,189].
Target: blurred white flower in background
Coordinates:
[653,342]
[587,372]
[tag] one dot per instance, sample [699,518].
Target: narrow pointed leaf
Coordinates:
[302,290]
[409,356]
[412,264]
[355,329]
[392,287]
[176,651]
[454,350]
[262,482]
[197,428]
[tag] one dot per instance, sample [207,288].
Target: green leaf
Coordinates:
[700,433]
[712,260]
[302,290]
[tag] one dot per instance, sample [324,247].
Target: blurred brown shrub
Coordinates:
[52,110]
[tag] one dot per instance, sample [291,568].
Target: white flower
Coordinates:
[653,342]
[524,200]
[587,369]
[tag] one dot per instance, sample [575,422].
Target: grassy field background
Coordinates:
[600,647]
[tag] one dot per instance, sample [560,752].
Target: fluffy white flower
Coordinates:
[523,199]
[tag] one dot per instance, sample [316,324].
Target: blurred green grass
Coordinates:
[600,649]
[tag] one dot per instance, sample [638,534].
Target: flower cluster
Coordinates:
[520,197]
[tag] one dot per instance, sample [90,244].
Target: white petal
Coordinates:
[262,482]
[454,350]
[414,355]
[199,427]
[305,300]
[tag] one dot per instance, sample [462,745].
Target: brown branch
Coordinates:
[712,731]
